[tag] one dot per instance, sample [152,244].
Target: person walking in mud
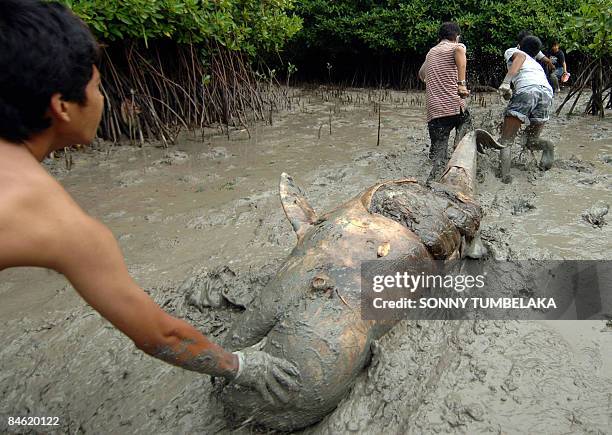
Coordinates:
[530,103]
[444,72]
[49,99]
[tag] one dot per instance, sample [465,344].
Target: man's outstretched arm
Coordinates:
[89,256]
[92,261]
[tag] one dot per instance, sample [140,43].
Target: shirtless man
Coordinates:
[50,99]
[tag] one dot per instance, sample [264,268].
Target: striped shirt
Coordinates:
[441,86]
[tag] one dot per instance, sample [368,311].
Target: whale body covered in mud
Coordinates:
[309,313]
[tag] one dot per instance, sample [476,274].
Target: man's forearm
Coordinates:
[548,62]
[94,265]
[185,347]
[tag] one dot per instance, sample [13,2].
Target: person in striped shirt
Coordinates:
[444,75]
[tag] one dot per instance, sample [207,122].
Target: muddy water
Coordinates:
[208,208]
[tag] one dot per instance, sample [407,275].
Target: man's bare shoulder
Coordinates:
[36,214]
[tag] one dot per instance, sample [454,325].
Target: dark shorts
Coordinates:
[533,106]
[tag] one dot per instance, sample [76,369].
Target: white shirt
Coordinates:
[530,75]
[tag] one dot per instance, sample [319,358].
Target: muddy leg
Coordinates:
[464,125]
[439,131]
[554,81]
[511,127]
[535,142]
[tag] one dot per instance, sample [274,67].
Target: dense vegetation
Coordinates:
[349,31]
[170,64]
[411,25]
[589,30]
[239,25]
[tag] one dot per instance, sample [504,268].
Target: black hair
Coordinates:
[531,45]
[555,42]
[44,49]
[449,30]
[522,35]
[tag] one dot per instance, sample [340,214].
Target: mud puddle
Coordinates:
[210,204]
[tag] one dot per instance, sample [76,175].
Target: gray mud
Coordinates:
[206,215]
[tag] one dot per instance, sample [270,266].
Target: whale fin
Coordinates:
[297,209]
[484,139]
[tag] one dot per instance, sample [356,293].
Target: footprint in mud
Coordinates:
[607,158]
[588,181]
[154,217]
[574,164]
[115,214]
[364,158]
[521,206]
[125,237]
[331,174]
[596,214]
[207,218]
[169,243]
[174,157]
[217,153]
[130,178]
[190,179]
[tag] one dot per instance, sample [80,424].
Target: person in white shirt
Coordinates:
[530,103]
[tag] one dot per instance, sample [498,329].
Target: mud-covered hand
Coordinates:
[505,91]
[271,376]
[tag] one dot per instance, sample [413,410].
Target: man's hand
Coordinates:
[463,91]
[505,91]
[266,374]
[548,63]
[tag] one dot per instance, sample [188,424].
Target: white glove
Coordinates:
[505,91]
[266,374]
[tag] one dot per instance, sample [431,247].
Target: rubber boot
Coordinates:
[505,159]
[548,151]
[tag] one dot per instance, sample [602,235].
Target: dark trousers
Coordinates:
[439,132]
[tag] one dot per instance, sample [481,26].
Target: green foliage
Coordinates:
[488,26]
[244,25]
[589,29]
